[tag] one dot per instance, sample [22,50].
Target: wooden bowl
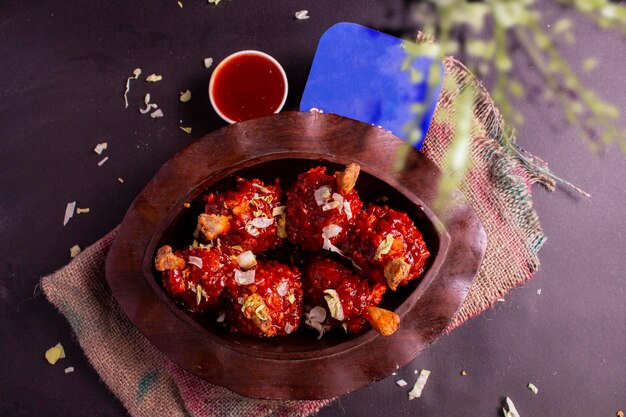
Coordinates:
[298,366]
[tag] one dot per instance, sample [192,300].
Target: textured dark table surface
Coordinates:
[62,70]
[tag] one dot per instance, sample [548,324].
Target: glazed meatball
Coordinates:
[266,301]
[320,208]
[195,277]
[325,279]
[252,216]
[387,246]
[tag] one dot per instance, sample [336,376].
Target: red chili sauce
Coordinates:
[306,219]
[354,292]
[371,226]
[248,86]
[182,284]
[280,289]
[251,199]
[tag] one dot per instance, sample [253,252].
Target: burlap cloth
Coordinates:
[148,384]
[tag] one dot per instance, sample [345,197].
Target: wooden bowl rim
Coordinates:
[346,366]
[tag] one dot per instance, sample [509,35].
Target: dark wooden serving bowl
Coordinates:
[298,366]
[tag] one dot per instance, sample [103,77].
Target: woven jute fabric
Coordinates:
[148,384]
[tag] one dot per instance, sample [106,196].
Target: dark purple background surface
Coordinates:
[62,71]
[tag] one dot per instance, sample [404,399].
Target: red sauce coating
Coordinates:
[281,290]
[249,200]
[354,292]
[371,226]
[182,284]
[248,86]
[306,219]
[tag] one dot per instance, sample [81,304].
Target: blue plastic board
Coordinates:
[357,73]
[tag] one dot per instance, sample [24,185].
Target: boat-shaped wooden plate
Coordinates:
[298,366]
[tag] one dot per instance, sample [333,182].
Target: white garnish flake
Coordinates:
[245,278]
[246,260]
[347,209]
[384,247]
[185,96]
[208,62]
[74,251]
[416,392]
[69,369]
[321,195]
[315,318]
[69,212]
[121,180]
[261,222]
[153,78]
[331,205]
[136,74]
[289,328]
[156,114]
[533,388]
[282,288]
[221,317]
[401,382]
[539,291]
[334,304]
[261,188]
[103,160]
[302,14]
[339,199]
[149,106]
[100,147]
[194,260]
[512,411]
[328,233]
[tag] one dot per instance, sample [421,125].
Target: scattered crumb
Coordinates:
[69,369]
[512,412]
[620,413]
[215,2]
[180,4]
[82,210]
[186,95]
[121,180]
[149,106]
[501,300]
[106,158]
[533,388]
[539,291]
[74,250]
[302,15]
[136,74]
[69,212]
[55,353]
[463,373]
[153,78]
[208,62]
[416,392]
[100,147]
[186,205]
[401,383]
[156,114]
[187,130]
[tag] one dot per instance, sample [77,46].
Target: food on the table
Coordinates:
[387,245]
[251,216]
[248,240]
[266,303]
[320,208]
[345,295]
